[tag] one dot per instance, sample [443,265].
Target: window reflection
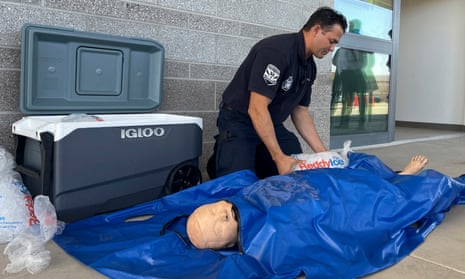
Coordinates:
[359,102]
[375,16]
[361,73]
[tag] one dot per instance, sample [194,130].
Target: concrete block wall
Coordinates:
[204,40]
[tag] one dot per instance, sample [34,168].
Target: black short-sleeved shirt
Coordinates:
[276,67]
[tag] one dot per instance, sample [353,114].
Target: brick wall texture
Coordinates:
[204,40]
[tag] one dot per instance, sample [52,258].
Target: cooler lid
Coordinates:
[67,71]
[62,125]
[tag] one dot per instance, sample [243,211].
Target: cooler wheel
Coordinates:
[183,177]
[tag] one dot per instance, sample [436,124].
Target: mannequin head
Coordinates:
[213,226]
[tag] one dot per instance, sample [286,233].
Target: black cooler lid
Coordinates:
[66,71]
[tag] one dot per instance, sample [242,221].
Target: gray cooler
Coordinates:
[69,148]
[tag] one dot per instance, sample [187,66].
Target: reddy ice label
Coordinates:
[320,160]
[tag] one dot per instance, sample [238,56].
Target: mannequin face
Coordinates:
[213,226]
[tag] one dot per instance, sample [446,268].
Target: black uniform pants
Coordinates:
[238,147]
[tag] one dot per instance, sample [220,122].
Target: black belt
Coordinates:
[227,107]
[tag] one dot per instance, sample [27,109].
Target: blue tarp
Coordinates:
[322,223]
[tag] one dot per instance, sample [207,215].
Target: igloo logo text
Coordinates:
[134,133]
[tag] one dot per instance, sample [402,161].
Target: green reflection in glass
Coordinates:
[360,100]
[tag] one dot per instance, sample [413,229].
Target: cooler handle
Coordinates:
[46,150]
[47,161]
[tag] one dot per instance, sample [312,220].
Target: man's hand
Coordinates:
[286,164]
[261,119]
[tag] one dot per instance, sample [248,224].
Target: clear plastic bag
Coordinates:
[16,208]
[27,249]
[328,159]
[25,224]
[16,205]
[7,162]
[81,117]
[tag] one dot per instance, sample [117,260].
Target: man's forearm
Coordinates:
[263,125]
[306,128]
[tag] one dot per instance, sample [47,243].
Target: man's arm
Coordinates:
[306,128]
[261,119]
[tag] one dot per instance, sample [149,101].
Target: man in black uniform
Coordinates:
[273,82]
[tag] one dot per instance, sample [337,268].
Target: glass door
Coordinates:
[363,73]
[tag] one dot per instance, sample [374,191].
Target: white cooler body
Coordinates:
[94,164]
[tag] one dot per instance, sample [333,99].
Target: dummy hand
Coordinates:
[286,164]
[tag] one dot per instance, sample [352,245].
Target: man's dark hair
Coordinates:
[326,18]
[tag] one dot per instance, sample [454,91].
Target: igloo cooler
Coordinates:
[100,163]
[89,138]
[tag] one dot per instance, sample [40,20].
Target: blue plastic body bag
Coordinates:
[323,223]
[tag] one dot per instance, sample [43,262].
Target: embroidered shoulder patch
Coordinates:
[271,75]
[287,84]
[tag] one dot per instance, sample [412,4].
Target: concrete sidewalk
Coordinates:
[442,255]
